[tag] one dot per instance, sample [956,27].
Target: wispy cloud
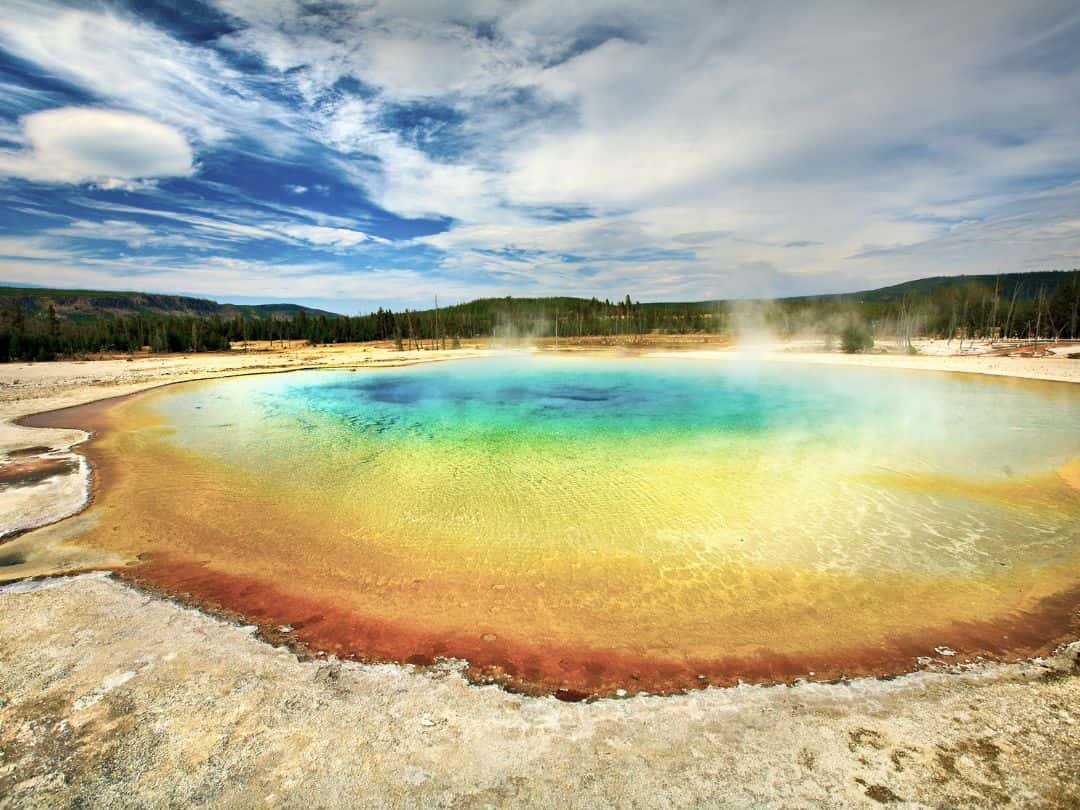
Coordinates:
[206,230]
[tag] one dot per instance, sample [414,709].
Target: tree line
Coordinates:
[983,308]
[45,335]
[962,309]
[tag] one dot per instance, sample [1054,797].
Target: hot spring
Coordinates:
[591,525]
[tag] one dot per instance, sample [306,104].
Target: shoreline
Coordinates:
[848,700]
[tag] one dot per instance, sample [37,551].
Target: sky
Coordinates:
[351,155]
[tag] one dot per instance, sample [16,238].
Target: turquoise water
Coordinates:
[937,422]
[767,462]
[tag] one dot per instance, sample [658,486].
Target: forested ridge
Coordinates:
[46,324]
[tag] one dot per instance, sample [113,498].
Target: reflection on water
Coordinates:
[606,524]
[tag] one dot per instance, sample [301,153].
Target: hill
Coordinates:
[1026,287]
[88,305]
[938,305]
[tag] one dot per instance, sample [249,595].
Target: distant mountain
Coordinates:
[1026,285]
[89,305]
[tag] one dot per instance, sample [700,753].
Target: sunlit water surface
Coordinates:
[602,524]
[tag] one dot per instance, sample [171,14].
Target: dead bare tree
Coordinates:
[1040,304]
[994,311]
[412,335]
[952,323]
[906,322]
[1012,308]
[1075,311]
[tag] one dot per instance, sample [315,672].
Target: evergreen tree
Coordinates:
[54,323]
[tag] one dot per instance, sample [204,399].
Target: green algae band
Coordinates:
[594,525]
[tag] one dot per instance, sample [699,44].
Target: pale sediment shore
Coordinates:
[111,696]
[1047,369]
[1051,368]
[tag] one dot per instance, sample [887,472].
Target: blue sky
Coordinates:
[362,154]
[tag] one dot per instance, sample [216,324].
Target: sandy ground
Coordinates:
[111,697]
[936,356]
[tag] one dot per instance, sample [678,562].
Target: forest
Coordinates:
[1025,306]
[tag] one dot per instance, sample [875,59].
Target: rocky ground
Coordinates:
[110,697]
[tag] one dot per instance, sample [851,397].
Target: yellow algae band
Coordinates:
[592,526]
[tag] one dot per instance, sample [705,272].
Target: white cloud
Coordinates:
[138,66]
[36,248]
[109,147]
[823,122]
[403,180]
[329,237]
[212,228]
[116,184]
[133,234]
[226,276]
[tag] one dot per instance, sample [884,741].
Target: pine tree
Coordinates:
[17,323]
[54,323]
